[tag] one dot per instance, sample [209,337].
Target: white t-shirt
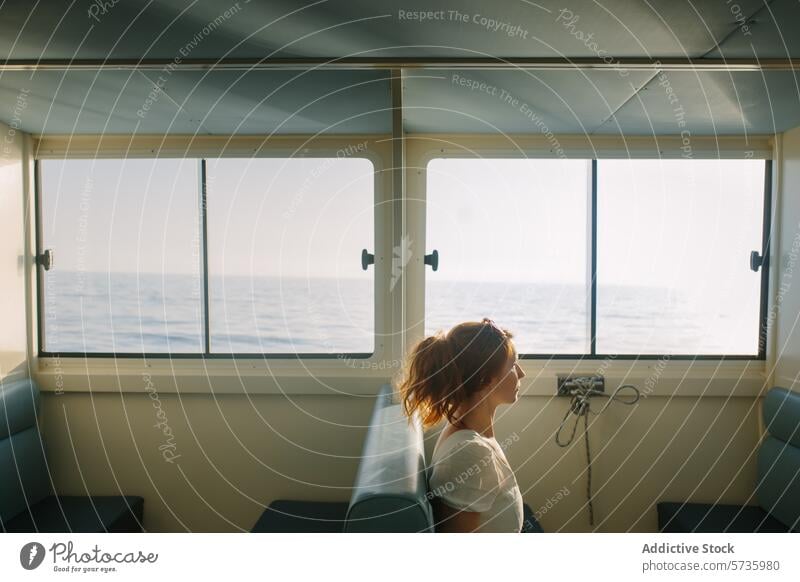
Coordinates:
[470,472]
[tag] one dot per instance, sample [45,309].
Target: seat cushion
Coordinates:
[19,406]
[707,518]
[81,515]
[25,478]
[778,485]
[782,415]
[289,516]
[390,493]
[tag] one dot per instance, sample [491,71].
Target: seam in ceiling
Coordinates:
[736,27]
[178,105]
[716,46]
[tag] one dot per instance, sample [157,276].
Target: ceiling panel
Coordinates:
[772,33]
[166,29]
[262,102]
[82,102]
[221,102]
[711,103]
[259,102]
[458,101]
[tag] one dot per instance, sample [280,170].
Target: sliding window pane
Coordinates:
[674,240]
[285,237]
[126,241]
[512,239]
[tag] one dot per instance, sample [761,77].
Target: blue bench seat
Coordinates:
[777,488]
[112,514]
[390,493]
[708,518]
[28,503]
[292,516]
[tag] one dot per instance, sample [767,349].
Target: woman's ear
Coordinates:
[488,384]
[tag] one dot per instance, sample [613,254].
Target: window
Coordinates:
[512,241]
[664,261]
[126,272]
[273,267]
[673,244]
[231,256]
[285,239]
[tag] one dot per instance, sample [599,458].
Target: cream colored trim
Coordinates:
[255,375]
[676,377]
[82,374]
[661,378]
[29,230]
[191,146]
[428,146]
[362,62]
[654,378]
[602,146]
[774,255]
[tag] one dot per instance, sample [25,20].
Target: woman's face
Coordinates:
[506,388]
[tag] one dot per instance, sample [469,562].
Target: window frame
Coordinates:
[375,153]
[253,374]
[526,150]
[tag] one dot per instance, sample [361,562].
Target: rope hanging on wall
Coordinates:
[582,390]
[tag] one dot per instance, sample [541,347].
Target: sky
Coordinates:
[292,217]
[660,223]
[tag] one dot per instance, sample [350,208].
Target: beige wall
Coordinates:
[786,264]
[12,255]
[669,449]
[233,462]
[236,455]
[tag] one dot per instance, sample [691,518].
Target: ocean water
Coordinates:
[554,319]
[135,313]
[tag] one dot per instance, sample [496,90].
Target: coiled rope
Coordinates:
[582,390]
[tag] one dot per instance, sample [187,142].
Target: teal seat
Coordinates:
[391,489]
[390,493]
[27,500]
[777,489]
[294,516]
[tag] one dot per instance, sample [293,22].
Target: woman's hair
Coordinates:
[443,371]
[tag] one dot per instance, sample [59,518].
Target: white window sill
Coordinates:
[661,378]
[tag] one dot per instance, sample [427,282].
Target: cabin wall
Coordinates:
[228,457]
[786,278]
[13,332]
[231,455]
[665,449]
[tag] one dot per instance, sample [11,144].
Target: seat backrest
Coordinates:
[22,462]
[391,489]
[778,487]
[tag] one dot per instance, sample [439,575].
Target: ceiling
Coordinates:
[338,101]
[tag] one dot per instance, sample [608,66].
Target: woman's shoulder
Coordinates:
[464,443]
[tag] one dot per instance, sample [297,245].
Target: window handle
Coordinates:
[433,260]
[756,260]
[367,259]
[45,259]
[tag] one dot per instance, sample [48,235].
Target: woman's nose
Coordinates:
[520,373]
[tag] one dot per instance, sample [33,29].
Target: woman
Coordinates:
[463,377]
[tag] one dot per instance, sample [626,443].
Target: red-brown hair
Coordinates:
[443,371]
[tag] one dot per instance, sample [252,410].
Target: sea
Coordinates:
[136,313]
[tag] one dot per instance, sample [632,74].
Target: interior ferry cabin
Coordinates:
[238,239]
